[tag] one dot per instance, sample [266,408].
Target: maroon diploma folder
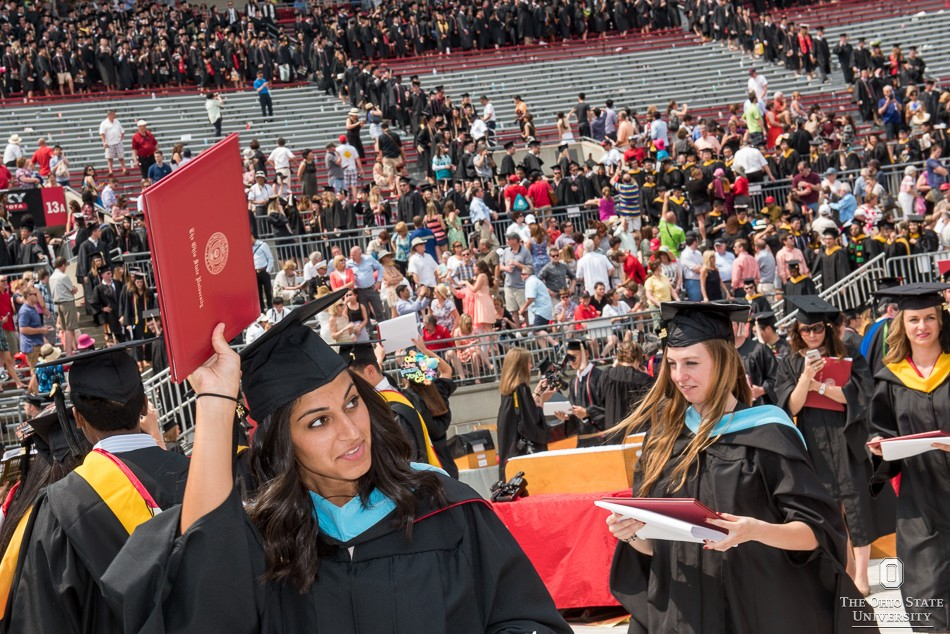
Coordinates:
[200,239]
[836,372]
[686,509]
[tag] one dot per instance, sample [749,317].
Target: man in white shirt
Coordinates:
[277,312]
[758,84]
[281,158]
[422,266]
[310,268]
[351,164]
[593,267]
[612,156]
[750,159]
[13,151]
[488,115]
[255,330]
[691,259]
[259,194]
[111,133]
[724,260]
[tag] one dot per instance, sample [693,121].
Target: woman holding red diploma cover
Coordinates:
[828,388]
[780,567]
[912,396]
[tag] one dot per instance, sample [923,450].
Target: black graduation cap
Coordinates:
[791,263]
[889,282]
[915,218]
[109,373]
[885,223]
[425,187]
[765,318]
[747,281]
[508,145]
[830,231]
[37,400]
[915,296]
[50,439]
[328,188]
[814,310]
[534,143]
[289,360]
[357,353]
[153,313]
[688,323]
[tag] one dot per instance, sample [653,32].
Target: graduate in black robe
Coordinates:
[74,532]
[521,426]
[200,567]
[765,326]
[905,403]
[754,465]
[623,385]
[835,439]
[797,284]
[584,394]
[759,363]
[833,262]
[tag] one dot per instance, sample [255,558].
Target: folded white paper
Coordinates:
[553,407]
[906,447]
[662,527]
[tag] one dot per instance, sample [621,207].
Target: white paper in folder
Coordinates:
[662,527]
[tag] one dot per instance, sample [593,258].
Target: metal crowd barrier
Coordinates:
[920,267]
[173,402]
[11,415]
[852,291]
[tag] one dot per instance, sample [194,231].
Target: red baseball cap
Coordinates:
[512,179]
[945,187]
[342,138]
[769,200]
[655,244]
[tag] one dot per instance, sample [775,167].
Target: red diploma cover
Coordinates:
[685,509]
[200,242]
[943,266]
[836,372]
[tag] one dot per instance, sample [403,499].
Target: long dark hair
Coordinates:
[283,511]
[41,474]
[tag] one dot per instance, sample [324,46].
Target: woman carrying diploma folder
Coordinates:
[343,536]
[912,396]
[835,428]
[781,566]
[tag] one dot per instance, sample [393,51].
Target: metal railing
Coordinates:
[173,402]
[11,415]
[920,267]
[850,292]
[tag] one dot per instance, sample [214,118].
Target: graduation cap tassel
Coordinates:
[62,413]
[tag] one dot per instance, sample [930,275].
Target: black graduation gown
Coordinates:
[873,247]
[621,390]
[833,267]
[521,427]
[460,572]
[802,285]
[73,538]
[760,366]
[763,472]
[923,515]
[836,444]
[585,391]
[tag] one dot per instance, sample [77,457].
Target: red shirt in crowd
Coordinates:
[144,145]
[740,187]
[583,312]
[540,193]
[6,312]
[41,157]
[512,191]
[434,338]
[5,177]
[634,270]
